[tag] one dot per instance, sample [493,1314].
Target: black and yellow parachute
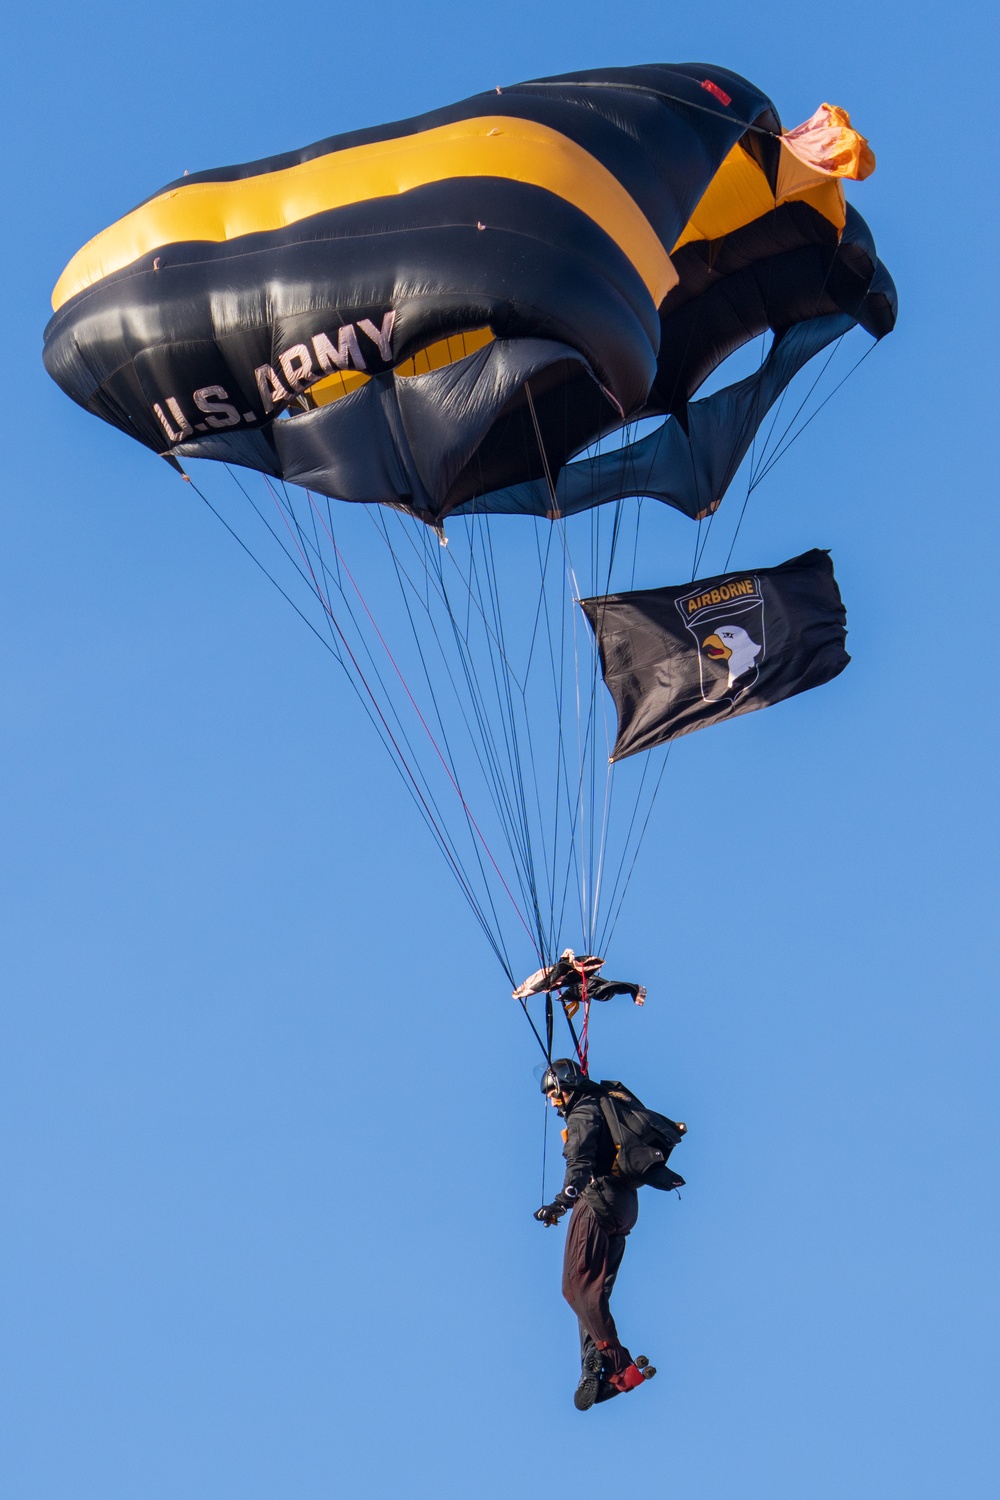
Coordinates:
[445,308]
[498,315]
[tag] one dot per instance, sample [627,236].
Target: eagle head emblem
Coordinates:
[731,644]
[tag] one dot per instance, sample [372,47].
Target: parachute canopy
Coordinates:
[677,659]
[438,314]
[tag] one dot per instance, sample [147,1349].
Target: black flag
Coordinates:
[676,659]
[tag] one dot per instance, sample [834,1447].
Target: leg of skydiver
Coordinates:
[589,1269]
[592,1386]
[616,1249]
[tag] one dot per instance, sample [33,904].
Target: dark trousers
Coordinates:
[590,1266]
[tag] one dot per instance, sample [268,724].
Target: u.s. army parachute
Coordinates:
[493,318]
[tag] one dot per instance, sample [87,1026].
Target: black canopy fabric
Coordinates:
[678,659]
[687,464]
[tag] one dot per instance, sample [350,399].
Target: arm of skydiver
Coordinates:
[583,1139]
[584,1124]
[584,1127]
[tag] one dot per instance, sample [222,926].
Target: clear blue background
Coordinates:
[271,1141]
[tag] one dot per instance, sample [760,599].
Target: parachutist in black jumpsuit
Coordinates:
[604,1211]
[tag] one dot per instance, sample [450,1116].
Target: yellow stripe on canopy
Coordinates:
[445,352]
[490,146]
[739,193]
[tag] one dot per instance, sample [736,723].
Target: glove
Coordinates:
[549,1214]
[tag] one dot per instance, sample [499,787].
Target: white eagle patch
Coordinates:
[731,644]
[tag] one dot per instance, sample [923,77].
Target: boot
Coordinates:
[590,1380]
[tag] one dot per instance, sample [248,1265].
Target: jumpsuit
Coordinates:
[604,1211]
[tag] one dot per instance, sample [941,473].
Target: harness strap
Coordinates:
[611,1120]
[585,1028]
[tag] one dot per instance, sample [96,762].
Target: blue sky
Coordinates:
[271,1139]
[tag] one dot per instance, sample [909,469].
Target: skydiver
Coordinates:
[604,1210]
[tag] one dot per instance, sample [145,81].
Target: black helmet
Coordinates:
[563,1076]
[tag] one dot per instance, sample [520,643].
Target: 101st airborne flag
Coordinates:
[678,659]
